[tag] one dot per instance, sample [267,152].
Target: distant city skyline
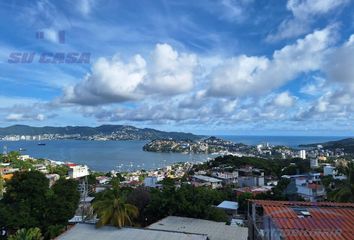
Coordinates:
[225,67]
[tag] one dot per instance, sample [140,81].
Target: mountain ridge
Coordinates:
[347,144]
[86,131]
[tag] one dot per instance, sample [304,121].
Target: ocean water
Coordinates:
[128,155]
[102,155]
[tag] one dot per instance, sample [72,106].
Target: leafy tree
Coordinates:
[11,156]
[25,199]
[54,231]
[187,201]
[242,200]
[2,184]
[27,234]
[61,170]
[63,200]
[29,202]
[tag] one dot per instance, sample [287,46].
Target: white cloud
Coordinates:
[234,10]
[166,73]
[339,67]
[314,88]
[85,6]
[110,81]
[14,117]
[244,76]
[304,12]
[284,99]
[170,72]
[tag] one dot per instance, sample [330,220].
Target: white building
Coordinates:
[77,171]
[314,163]
[328,170]
[302,154]
[151,181]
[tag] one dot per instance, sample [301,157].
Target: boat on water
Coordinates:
[22,149]
[41,144]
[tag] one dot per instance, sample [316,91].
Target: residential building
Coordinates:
[250,177]
[313,162]
[328,170]
[253,190]
[102,179]
[201,180]
[90,232]
[307,186]
[77,171]
[213,230]
[226,177]
[281,220]
[229,207]
[151,181]
[302,154]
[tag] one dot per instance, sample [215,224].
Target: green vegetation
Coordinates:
[29,203]
[341,190]
[187,201]
[13,158]
[61,170]
[27,234]
[2,185]
[112,209]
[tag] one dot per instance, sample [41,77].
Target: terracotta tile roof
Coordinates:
[306,220]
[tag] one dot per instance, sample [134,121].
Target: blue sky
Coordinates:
[213,67]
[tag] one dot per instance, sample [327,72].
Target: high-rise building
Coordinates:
[302,154]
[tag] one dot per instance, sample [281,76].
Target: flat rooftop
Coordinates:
[207,179]
[90,232]
[214,230]
[228,205]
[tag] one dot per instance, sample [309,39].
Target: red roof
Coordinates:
[71,164]
[323,220]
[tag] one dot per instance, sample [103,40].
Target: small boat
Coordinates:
[22,149]
[41,144]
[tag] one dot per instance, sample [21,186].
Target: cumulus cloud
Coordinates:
[13,117]
[110,81]
[303,13]
[243,75]
[339,67]
[337,101]
[284,99]
[167,72]
[170,72]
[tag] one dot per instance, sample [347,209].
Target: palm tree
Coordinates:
[27,234]
[112,210]
[345,189]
